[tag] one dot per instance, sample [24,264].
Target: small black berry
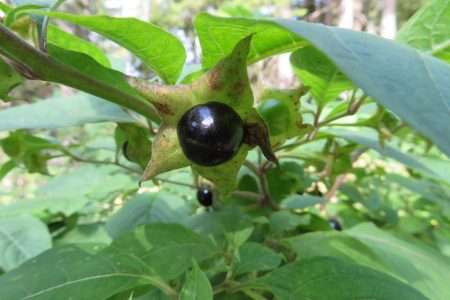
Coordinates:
[335,224]
[210,134]
[205,197]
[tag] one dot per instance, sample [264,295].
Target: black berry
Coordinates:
[210,134]
[335,224]
[205,196]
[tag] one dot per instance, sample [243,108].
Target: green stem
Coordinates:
[36,65]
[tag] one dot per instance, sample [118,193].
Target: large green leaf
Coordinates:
[61,112]
[167,248]
[148,208]
[421,266]
[338,245]
[8,80]
[148,256]
[70,192]
[73,43]
[330,278]
[86,271]
[295,201]
[413,85]
[158,49]
[252,257]
[197,286]
[318,72]
[218,36]
[21,238]
[428,30]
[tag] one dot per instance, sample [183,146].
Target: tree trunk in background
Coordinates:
[388,19]
[347,14]
[359,15]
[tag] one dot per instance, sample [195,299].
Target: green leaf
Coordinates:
[9,79]
[158,49]
[61,112]
[299,201]
[427,30]
[421,266]
[70,192]
[137,146]
[386,71]
[71,42]
[85,233]
[337,245]
[389,73]
[166,248]
[252,257]
[89,66]
[218,36]
[281,221]
[6,168]
[330,278]
[317,71]
[10,18]
[237,226]
[88,271]
[197,285]
[437,193]
[148,208]
[369,137]
[21,238]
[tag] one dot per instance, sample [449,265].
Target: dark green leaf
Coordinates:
[299,201]
[148,208]
[197,285]
[167,248]
[338,245]
[86,271]
[330,278]
[237,226]
[21,238]
[252,257]
[281,221]
[421,266]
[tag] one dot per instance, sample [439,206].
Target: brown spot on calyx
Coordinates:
[239,87]
[163,108]
[213,79]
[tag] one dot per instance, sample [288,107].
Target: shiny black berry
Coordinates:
[210,134]
[335,224]
[205,196]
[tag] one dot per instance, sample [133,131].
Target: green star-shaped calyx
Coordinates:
[226,82]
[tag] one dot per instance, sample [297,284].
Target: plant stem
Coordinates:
[264,186]
[36,65]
